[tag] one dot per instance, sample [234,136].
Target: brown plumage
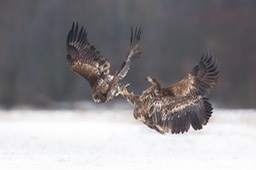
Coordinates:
[176,107]
[85,60]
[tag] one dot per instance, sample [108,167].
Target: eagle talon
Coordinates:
[119,91]
[122,90]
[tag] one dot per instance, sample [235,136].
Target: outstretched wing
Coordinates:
[134,52]
[175,115]
[83,58]
[199,81]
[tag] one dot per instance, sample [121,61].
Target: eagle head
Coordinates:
[155,84]
[99,98]
[149,79]
[152,80]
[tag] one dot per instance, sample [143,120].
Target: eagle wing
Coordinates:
[175,115]
[134,52]
[199,81]
[83,58]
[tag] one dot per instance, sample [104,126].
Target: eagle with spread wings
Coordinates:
[85,60]
[177,107]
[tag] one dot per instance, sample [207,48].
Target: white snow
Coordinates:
[113,139]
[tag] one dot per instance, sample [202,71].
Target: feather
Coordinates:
[199,81]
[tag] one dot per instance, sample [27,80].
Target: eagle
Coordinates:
[84,59]
[173,109]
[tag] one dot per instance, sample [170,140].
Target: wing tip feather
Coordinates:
[135,35]
[76,36]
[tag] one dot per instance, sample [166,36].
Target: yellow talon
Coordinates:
[119,91]
[122,91]
[125,91]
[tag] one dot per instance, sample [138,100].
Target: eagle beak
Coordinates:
[148,78]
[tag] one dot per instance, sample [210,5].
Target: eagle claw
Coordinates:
[122,90]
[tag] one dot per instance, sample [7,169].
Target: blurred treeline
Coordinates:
[33,68]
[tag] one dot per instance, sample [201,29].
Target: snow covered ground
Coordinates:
[112,139]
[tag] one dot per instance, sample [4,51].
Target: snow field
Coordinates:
[113,139]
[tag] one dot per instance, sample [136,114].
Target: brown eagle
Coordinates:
[176,107]
[84,59]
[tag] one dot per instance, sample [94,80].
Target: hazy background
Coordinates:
[33,67]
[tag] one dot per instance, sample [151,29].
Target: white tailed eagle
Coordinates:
[176,107]
[85,60]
